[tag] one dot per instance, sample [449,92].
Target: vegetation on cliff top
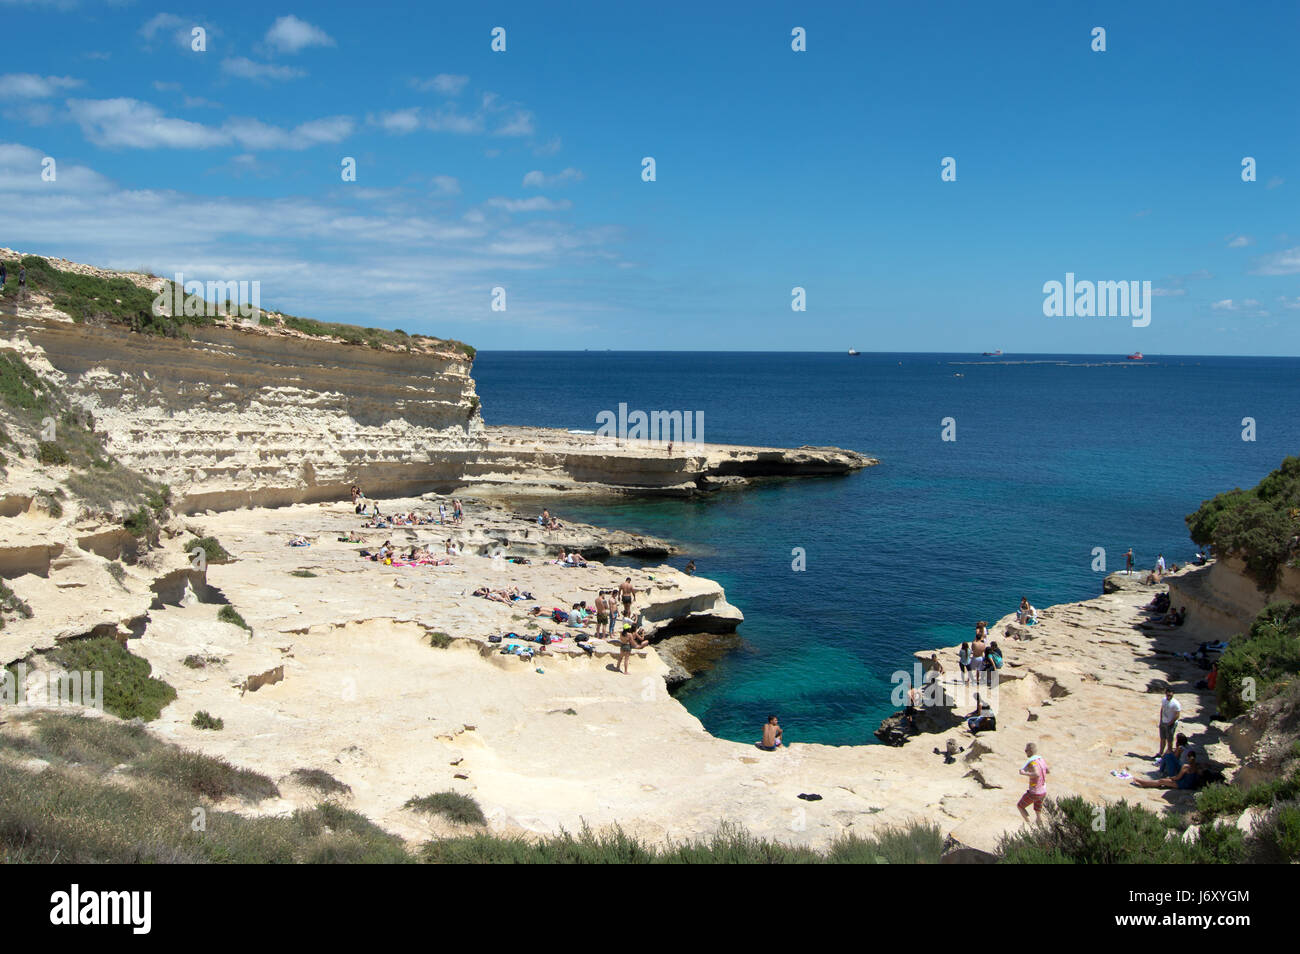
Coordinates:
[120,301]
[1260,525]
[114,793]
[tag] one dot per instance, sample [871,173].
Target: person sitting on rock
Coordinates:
[771,735]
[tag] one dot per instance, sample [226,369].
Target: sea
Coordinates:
[999,477]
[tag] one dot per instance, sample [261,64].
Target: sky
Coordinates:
[522,169]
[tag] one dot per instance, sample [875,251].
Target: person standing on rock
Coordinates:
[977,656]
[1035,769]
[1128,562]
[627,593]
[1160,564]
[963,663]
[602,614]
[3,277]
[1170,712]
[22,281]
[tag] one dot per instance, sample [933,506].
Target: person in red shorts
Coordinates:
[1036,771]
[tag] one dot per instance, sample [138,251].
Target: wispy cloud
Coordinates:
[1286,262]
[244,68]
[540,180]
[31,86]
[1240,241]
[538,203]
[449,84]
[131,124]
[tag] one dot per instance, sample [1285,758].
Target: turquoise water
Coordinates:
[1052,458]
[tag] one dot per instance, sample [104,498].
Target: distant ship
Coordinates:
[992,354]
[853,352]
[1135,356]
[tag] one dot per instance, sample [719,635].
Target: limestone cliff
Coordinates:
[1222,600]
[238,416]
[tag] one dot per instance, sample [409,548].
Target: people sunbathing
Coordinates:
[1188,777]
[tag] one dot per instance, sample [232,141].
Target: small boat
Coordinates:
[1135,356]
[993,354]
[853,352]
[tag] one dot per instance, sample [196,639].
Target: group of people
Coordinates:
[411,518]
[1169,616]
[974,659]
[547,522]
[415,555]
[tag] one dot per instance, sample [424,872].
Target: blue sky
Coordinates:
[775,169]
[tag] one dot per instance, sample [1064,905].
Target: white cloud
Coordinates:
[1286,262]
[449,84]
[20,171]
[289,35]
[415,257]
[537,203]
[1226,304]
[129,123]
[31,86]
[446,185]
[520,124]
[180,30]
[257,135]
[1240,241]
[245,68]
[540,180]
[1168,292]
[400,121]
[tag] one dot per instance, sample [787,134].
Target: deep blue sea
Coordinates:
[1054,455]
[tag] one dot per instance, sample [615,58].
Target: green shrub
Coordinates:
[228,614]
[204,775]
[302,573]
[130,691]
[212,549]
[117,572]
[1275,838]
[11,603]
[1256,525]
[1269,654]
[198,661]
[1076,832]
[439,640]
[140,523]
[51,453]
[202,720]
[451,805]
[320,780]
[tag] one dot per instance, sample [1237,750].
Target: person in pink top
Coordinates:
[1036,771]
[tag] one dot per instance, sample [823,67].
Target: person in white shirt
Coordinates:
[1160,563]
[1170,712]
